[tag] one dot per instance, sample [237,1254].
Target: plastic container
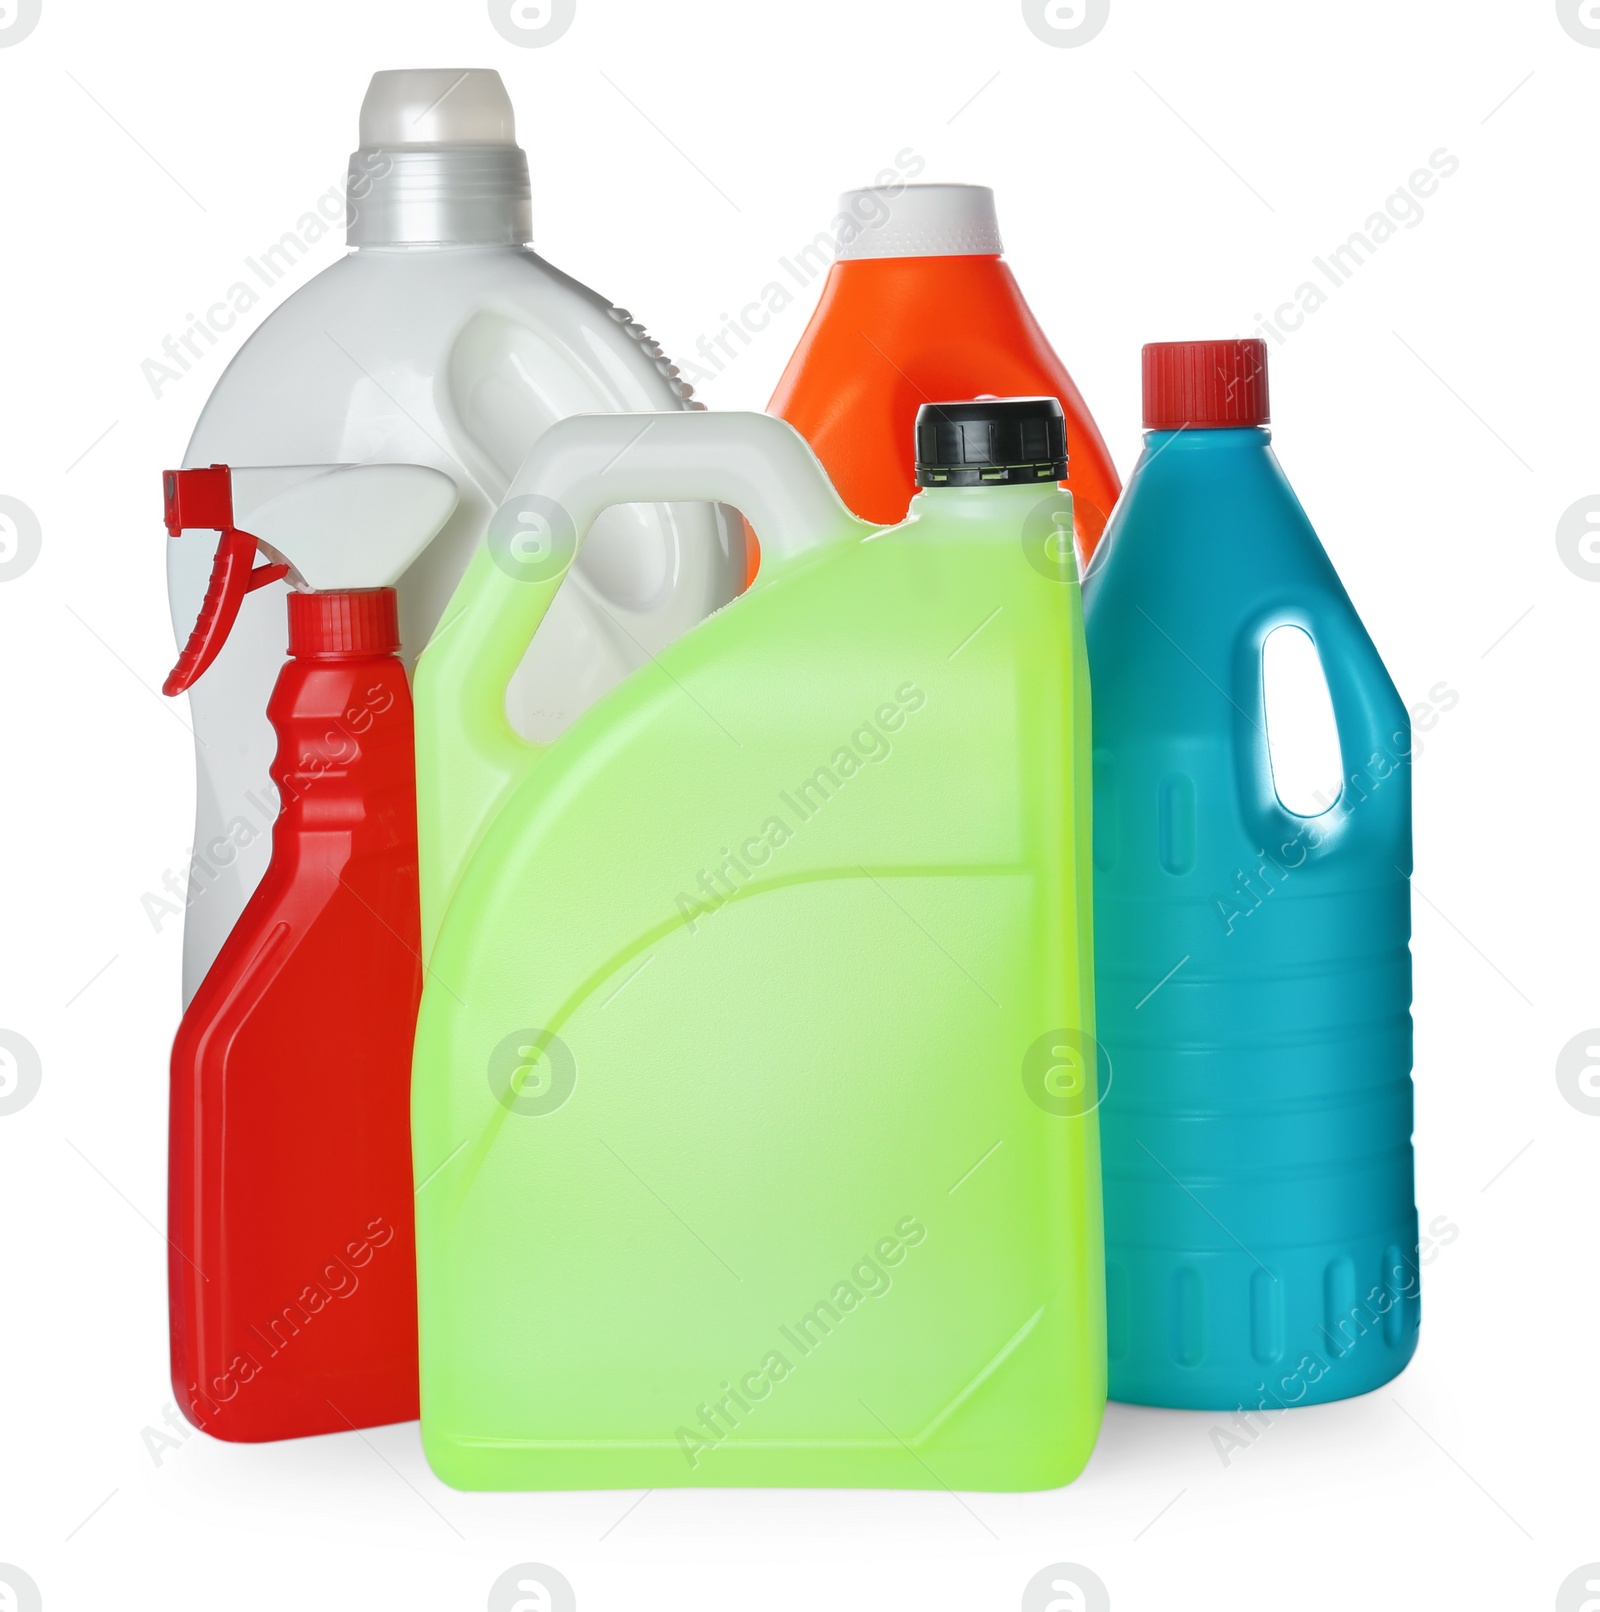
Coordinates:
[1254,971]
[920,305]
[440,340]
[292,1271]
[753,1141]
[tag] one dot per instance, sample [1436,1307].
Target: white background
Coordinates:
[1171,178]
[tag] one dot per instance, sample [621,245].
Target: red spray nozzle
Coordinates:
[198,498]
[204,499]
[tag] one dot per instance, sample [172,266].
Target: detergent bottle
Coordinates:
[920,305]
[292,1271]
[755,1137]
[441,339]
[1254,968]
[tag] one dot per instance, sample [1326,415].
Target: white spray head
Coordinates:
[341,527]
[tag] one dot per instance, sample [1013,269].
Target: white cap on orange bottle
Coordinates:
[918,221]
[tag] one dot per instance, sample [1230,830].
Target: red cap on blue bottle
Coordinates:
[1205,384]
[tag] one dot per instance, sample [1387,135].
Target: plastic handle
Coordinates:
[1374,806]
[471,756]
[204,499]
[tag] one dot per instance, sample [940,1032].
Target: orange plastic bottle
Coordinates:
[918,308]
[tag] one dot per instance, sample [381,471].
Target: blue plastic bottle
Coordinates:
[1253,966]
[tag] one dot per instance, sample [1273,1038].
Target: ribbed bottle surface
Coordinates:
[1205,383]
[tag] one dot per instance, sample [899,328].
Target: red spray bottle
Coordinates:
[292,1268]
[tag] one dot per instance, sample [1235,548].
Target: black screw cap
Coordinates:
[991,441]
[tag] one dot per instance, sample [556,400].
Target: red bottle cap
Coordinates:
[360,622]
[1205,383]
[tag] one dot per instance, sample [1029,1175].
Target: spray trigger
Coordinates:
[204,499]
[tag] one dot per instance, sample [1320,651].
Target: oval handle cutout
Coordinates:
[1302,735]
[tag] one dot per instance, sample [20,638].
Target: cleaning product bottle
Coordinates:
[440,340]
[1254,971]
[749,1106]
[919,305]
[292,1272]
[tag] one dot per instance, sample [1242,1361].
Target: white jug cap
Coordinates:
[425,106]
[918,221]
[439,163]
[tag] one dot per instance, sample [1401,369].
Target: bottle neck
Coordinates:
[461,195]
[962,265]
[896,301]
[1212,439]
[436,249]
[345,761]
[996,506]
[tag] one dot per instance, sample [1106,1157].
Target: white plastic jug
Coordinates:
[440,340]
